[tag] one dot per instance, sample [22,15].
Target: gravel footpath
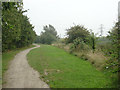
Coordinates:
[21,75]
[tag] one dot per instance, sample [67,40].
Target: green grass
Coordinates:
[63,70]
[8,56]
[0,70]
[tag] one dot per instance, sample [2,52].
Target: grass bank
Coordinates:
[0,70]
[63,70]
[8,56]
[97,59]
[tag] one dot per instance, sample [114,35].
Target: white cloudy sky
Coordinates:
[63,13]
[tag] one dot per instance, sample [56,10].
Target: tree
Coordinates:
[37,39]
[113,36]
[16,29]
[77,32]
[93,41]
[113,63]
[49,35]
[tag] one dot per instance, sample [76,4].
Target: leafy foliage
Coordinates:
[48,36]
[81,38]
[92,41]
[79,45]
[114,50]
[77,32]
[16,29]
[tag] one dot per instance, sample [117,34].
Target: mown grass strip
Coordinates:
[63,70]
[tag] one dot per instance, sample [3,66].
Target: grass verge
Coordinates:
[63,70]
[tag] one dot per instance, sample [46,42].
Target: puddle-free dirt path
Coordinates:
[21,75]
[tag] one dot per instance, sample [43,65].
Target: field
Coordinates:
[62,70]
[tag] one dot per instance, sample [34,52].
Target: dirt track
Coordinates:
[21,75]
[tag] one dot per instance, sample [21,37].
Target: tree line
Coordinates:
[83,39]
[17,31]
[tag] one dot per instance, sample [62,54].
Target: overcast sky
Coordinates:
[63,14]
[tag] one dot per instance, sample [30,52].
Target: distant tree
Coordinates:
[77,32]
[37,39]
[50,29]
[49,35]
